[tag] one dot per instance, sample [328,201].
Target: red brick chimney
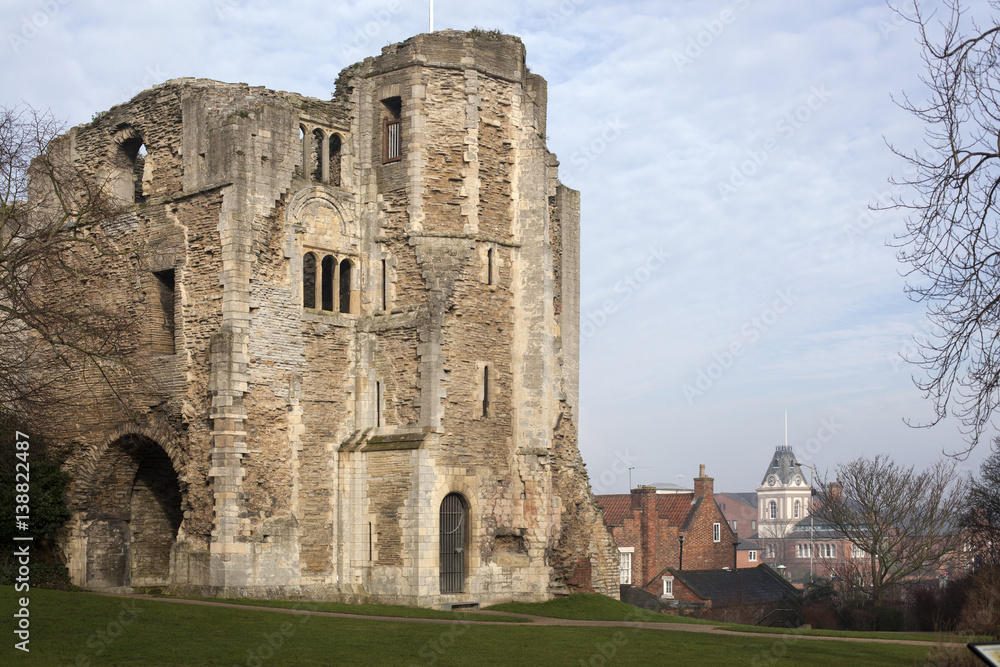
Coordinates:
[703,486]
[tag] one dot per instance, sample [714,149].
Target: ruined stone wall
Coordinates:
[313,447]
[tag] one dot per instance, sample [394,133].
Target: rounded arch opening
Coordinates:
[134,515]
[453,526]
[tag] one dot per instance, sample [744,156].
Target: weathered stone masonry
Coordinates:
[363,339]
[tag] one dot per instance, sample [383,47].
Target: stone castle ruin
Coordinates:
[360,340]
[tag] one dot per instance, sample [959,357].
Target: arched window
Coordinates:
[326,291]
[454,517]
[317,155]
[335,145]
[345,286]
[309,280]
[772,510]
[129,166]
[798,507]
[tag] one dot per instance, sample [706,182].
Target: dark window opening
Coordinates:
[378,403]
[316,155]
[326,291]
[489,266]
[305,153]
[392,130]
[345,286]
[163,323]
[309,280]
[486,391]
[335,146]
[384,286]
[452,547]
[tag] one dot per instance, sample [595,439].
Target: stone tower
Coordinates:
[360,358]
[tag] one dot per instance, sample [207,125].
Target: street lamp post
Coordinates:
[812,539]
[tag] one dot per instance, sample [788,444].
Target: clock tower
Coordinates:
[783,497]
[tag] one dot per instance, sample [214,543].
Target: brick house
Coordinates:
[740,510]
[657,530]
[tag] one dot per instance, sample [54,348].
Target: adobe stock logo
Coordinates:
[34,22]
[750,332]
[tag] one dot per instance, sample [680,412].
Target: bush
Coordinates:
[981,613]
[47,506]
[880,619]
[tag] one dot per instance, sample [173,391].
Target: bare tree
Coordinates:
[981,519]
[952,239]
[53,326]
[904,523]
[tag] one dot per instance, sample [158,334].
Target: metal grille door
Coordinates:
[452,543]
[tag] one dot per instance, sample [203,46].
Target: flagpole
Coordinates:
[432,16]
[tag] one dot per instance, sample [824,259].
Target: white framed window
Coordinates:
[753,525]
[625,565]
[773,510]
[798,508]
[770,551]
[734,525]
[716,532]
[857,552]
[752,556]
[668,587]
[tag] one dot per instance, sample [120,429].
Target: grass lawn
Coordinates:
[593,608]
[71,628]
[367,609]
[907,636]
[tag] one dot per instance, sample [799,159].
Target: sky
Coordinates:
[727,155]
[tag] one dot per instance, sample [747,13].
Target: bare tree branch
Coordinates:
[905,522]
[54,325]
[952,239]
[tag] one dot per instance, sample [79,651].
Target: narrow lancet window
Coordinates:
[345,286]
[486,391]
[326,294]
[309,280]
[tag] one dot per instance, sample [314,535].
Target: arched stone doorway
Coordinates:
[134,513]
[453,521]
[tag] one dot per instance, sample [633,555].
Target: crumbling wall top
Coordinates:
[487,51]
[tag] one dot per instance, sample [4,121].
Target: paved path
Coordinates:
[482,618]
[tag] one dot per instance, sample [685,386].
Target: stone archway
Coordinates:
[133,512]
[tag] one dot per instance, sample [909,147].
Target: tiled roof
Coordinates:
[615,506]
[726,588]
[675,507]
